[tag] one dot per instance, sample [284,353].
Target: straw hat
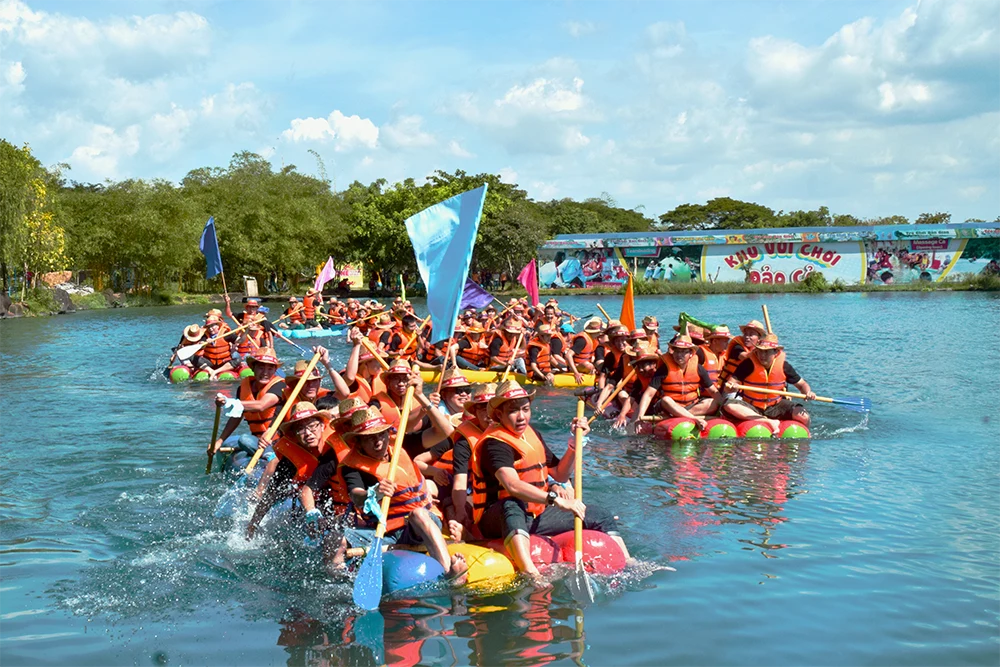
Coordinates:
[594,325]
[348,407]
[453,378]
[510,326]
[252,302]
[754,324]
[697,334]
[650,322]
[383,322]
[544,330]
[311,291]
[617,330]
[263,355]
[644,353]
[681,342]
[366,422]
[193,333]
[721,331]
[300,368]
[212,319]
[769,342]
[214,312]
[300,412]
[399,367]
[509,391]
[475,329]
[638,334]
[482,393]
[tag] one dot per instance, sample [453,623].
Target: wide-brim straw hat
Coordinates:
[512,327]
[384,322]
[616,331]
[263,355]
[769,342]
[754,324]
[594,325]
[682,342]
[644,353]
[366,422]
[300,368]
[399,367]
[253,302]
[311,291]
[650,322]
[454,379]
[544,330]
[510,390]
[193,333]
[721,331]
[347,407]
[301,411]
[638,334]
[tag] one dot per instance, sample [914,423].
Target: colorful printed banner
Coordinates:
[783,262]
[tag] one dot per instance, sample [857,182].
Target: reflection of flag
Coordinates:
[475,296]
[326,275]
[443,237]
[628,307]
[529,278]
[210,249]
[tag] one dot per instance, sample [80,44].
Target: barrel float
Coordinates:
[180,374]
[402,569]
[793,430]
[543,550]
[676,428]
[754,428]
[487,568]
[226,376]
[717,429]
[601,554]
[246,371]
[201,376]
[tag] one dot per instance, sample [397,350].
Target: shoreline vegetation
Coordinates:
[42,301]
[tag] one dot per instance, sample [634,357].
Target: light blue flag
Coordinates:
[443,237]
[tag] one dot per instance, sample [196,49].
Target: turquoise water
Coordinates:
[877,542]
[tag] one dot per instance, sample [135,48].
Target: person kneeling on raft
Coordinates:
[510,467]
[410,519]
[766,368]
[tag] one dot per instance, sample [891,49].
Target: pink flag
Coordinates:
[326,275]
[529,278]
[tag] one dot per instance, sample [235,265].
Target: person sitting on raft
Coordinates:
[614,368]
[767,368]
[648,373]
[363,373]
[686,388]
[259,395]
[193,333]
[547,356]
[587,352]
[218,356]
[398,377]
[502,349]
[407,335]
[652,328]
[473,353]
[312,300]
[410,519]
[293,314]
[312,390]
[712,354]
[510,466]
[740,347]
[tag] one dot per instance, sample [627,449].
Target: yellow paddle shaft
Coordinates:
[394,462]
[578,479]
[767,318]
[614,392]
[371,348]
[513,356]
[778,392]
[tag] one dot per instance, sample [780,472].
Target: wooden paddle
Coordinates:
[611,396]
[513,356]
[767,318]
[188,351]
[276,422]
[851,403]
[580,585]
[371,348]
[211,443]
[368,584]
[444,367]
[604,312]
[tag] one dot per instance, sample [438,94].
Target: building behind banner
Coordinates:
[880,255]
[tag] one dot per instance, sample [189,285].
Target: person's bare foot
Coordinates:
[455,529]
[458,573]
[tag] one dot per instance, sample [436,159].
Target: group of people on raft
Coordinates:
[471,463]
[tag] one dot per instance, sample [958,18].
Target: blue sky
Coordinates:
[872,109]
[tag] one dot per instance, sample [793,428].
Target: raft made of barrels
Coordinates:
[561,379]
[717,428]
[183,373]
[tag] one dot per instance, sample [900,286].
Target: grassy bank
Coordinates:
[41,301]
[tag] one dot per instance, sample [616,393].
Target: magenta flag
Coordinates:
[529,278]
[326,275]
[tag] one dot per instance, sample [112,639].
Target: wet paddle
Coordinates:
[211,443]
[188,351]
[371,348]
[857,404]
[611,396]
[368,584]
[580,585]
[276,422]
[513,356]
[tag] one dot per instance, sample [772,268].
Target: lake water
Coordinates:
[877,542]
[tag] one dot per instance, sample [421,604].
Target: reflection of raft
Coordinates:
[561,380]
[316,332]
[681,428]
[183,374]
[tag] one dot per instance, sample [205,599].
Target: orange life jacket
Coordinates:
[507,348]
[295,314]
[290,385]
[245,347]
[680,384]
[400,338]
[530,467]
[585,356]
[773,378]
[368,388]
[392,412]
[653,341]
[713,363]
[258,420]
[411,492]
[544,359]
[375,336]
[218,351]
[732,360]
[305,462]
[477,353]
[309,307]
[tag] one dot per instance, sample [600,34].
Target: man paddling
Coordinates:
[767,368]
[686,388]
[259,396]
[510,466]
[217,356]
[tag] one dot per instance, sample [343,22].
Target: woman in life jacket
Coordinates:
[510,466]
[685,390]
[502,348]
[410,520]
[193,333]
[648,373]
[363,373]
[217,356]
[766,368]
[473,352]
[652,328]
[259,396]
[587,352]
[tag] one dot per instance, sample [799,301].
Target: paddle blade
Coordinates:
[855,404]
[368,585]
[188,351]
[580,585]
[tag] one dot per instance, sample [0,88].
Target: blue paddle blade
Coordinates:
[855,404]
[368,585]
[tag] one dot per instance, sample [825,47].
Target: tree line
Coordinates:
[280,224]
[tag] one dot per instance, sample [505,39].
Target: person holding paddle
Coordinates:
[510,466]
[217,356]
[259,396]
[766,368]
[410,519]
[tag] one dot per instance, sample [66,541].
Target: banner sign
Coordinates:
[783,262]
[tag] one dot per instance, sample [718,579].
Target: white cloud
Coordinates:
[13,80]
[543,96]
[104,150]
[457,150]
[508,175]
[580,28]
[407,132]
[347,132]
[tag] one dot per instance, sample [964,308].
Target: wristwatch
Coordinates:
[551,498]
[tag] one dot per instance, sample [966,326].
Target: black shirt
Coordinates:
[498,454]
[326,469]
[359,479]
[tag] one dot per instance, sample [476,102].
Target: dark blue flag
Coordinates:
[210,249]
[475,296]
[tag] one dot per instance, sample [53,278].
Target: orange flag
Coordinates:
[628,307]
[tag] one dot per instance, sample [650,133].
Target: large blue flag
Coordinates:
[210,249]
[443,237]
[474,296]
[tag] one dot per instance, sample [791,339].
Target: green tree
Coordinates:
[933,219]
[720,213]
